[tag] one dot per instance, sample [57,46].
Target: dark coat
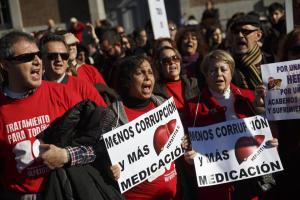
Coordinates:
[79,126]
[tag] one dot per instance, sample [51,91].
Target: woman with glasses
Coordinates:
[171,83]
[222,101]
[135,82]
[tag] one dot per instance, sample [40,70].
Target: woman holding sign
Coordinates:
[135,85]
[221,101]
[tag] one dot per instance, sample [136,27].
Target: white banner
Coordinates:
[145,147]
[159,18]
[233,150]
[282,81]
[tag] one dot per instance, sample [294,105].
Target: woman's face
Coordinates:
[189,44]
[218,76]
[170,65]
[142,81]
[217,36]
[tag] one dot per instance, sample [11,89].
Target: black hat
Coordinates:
[247,19]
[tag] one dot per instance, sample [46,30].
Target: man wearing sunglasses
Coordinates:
[246,34]
[28,106]
[55,57]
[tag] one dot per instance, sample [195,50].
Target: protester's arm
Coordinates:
[81,155]
[53,156]
[92,32]
[56,157]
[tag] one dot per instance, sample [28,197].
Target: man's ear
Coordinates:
[259,35]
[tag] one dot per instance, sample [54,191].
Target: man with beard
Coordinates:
[112,51]
[246,34]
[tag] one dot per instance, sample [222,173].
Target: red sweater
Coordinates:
[175,90]
[90,74]
[164,186]
[86,90]
[21,120]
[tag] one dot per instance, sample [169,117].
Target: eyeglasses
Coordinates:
[26,57]
[169,60]
[245,32]
[54,56]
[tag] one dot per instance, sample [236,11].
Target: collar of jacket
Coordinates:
[216,107]
[190,87]
[118,108]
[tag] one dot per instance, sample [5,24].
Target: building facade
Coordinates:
[32,15]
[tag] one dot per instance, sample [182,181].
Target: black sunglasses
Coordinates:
[54,56]
[169,60]
[26,57]
[244,32]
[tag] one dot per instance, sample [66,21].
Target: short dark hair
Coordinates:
[124,70]
[6,50]
[51,37]
[275,6]
[11,38]
[201,48]
[112,36]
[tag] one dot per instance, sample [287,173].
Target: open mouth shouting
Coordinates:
[36,74]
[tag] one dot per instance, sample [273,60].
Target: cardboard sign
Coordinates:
[282,81]
[159,19]
[147,146]
[233,150]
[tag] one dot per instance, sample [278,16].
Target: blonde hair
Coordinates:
[217,55]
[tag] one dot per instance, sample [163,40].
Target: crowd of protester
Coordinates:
[61,90]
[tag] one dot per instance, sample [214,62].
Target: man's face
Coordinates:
[72,51]
[244,38]
[25,71]
[121,31]
[142,39]
[111,51]
[276,15]
[55,57]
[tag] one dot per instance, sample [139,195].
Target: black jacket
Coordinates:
[79,126]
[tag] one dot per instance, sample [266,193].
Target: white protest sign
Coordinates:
[233,150]
[145,147]
[282,81]
[158,18]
